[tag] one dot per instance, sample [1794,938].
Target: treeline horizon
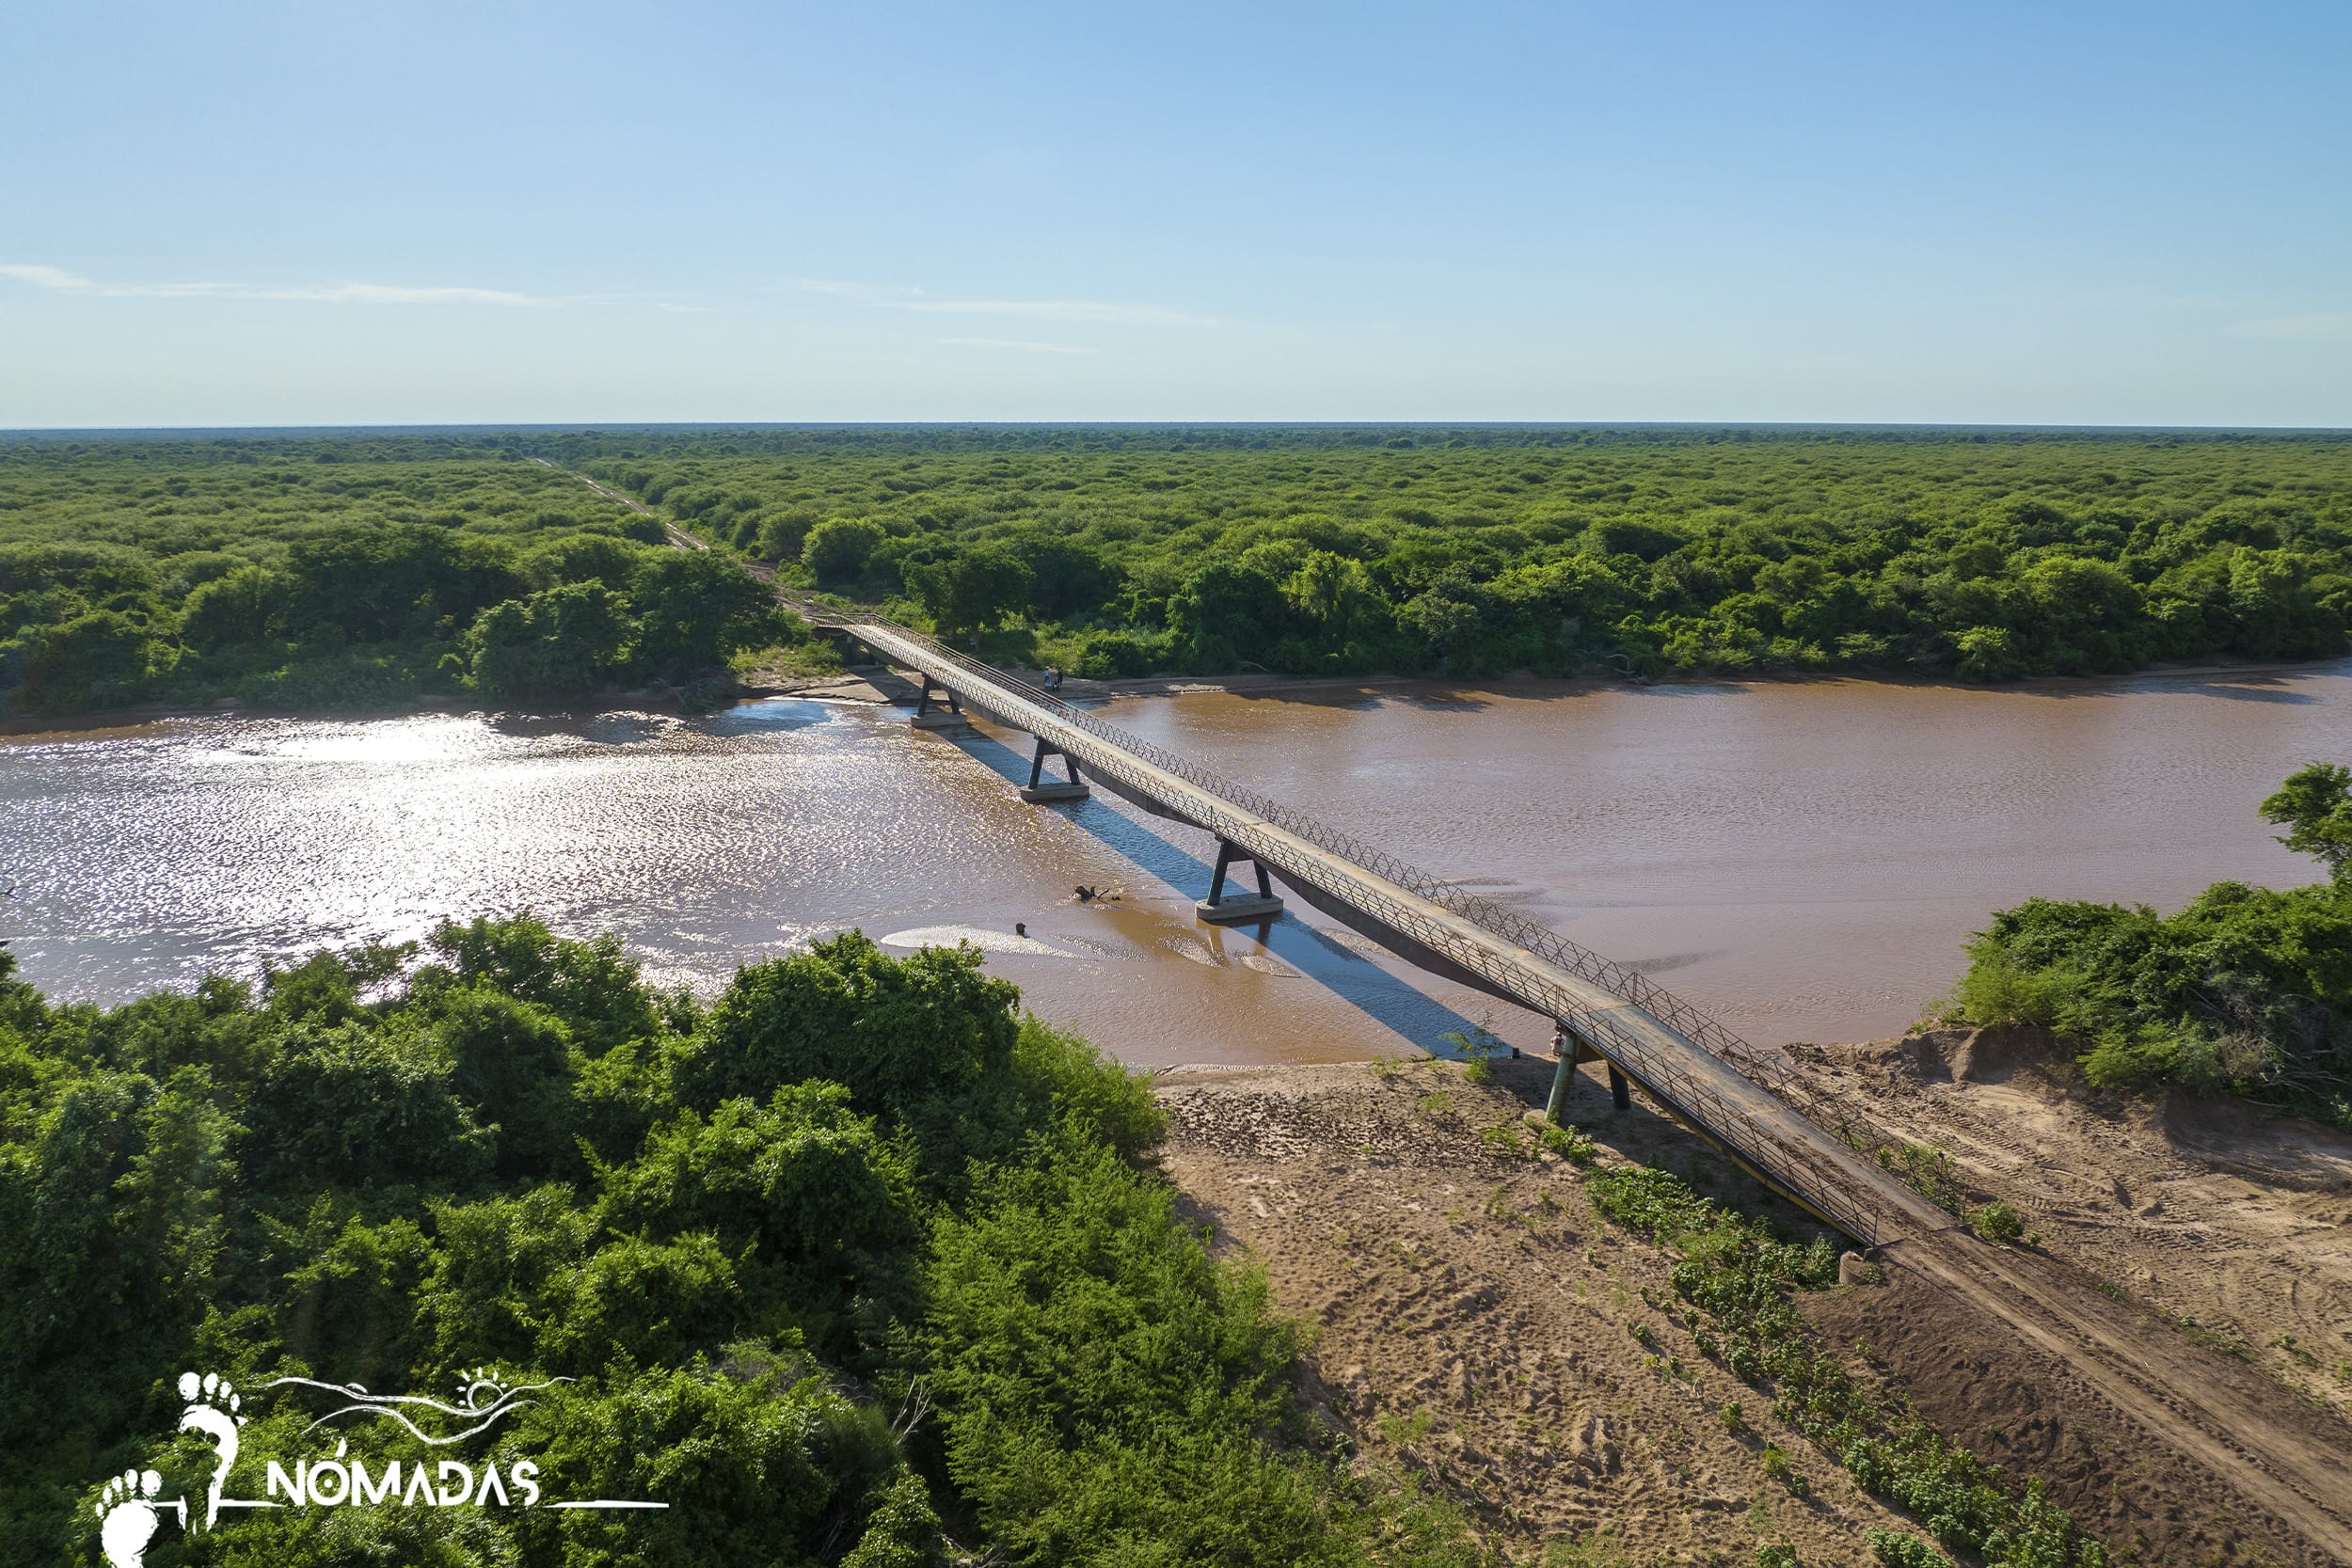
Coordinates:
[1556,551]
[325,574]
[371,569]
[1372,430]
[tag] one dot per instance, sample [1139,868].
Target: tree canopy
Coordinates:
[362,570]
[2246,991]
[1966,554]
[853,1257]
[322,572]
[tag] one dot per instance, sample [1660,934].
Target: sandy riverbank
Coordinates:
[1474,1314]
[875,684]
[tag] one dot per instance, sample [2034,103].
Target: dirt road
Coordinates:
[1474,1320]
[677,535]
[2196,1268]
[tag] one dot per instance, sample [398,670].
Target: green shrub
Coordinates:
[924,1044]
[1998,1221]
[1064,1078]
[2246,991]
[1897,1550]
[1479,1047]
[902,1532]
[1778,1465]
[2041,1534]
[1926,1170]
[1504,1139]
[356,1106]
[837,549]
[1572,1144]
[372,1176]
[1736,1274]
[1105,1388]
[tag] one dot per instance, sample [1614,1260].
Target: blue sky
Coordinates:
[307,214]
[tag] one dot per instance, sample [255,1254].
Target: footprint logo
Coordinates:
[212,1409]
[126,1516]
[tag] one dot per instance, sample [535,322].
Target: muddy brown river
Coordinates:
[1803,859]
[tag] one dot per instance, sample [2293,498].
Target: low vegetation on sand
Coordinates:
[2247,991]
[850,1263]
[1737,1276]
[1638,1355]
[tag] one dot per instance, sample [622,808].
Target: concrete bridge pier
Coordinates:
[929,717]
[1571,1050]
[1041,789]
[1217,910]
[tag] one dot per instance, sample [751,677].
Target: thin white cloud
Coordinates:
[1058,310]
[865,294]
[2328,326]
[391,294]
[318,293]
[889,297]
[1023,344]
[48,278]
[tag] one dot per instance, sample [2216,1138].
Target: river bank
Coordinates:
[1477,1320]
[862,685]
[1270,685]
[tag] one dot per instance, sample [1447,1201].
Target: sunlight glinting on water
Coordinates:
[1804,858]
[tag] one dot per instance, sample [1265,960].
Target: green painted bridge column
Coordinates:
[1561,1075]
[1570,1049]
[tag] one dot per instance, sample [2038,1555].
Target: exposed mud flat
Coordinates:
[1475,1318]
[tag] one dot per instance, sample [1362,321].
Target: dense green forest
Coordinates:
[1472,552]
[2246,991]
[854,1266]
[850,1256]
[366,569]
[349,573]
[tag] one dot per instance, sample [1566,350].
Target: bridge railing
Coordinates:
[1796,1171]
[1549,945]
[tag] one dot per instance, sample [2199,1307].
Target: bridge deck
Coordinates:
[1730,1092]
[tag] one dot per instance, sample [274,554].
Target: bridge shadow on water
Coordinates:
[1385,998]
